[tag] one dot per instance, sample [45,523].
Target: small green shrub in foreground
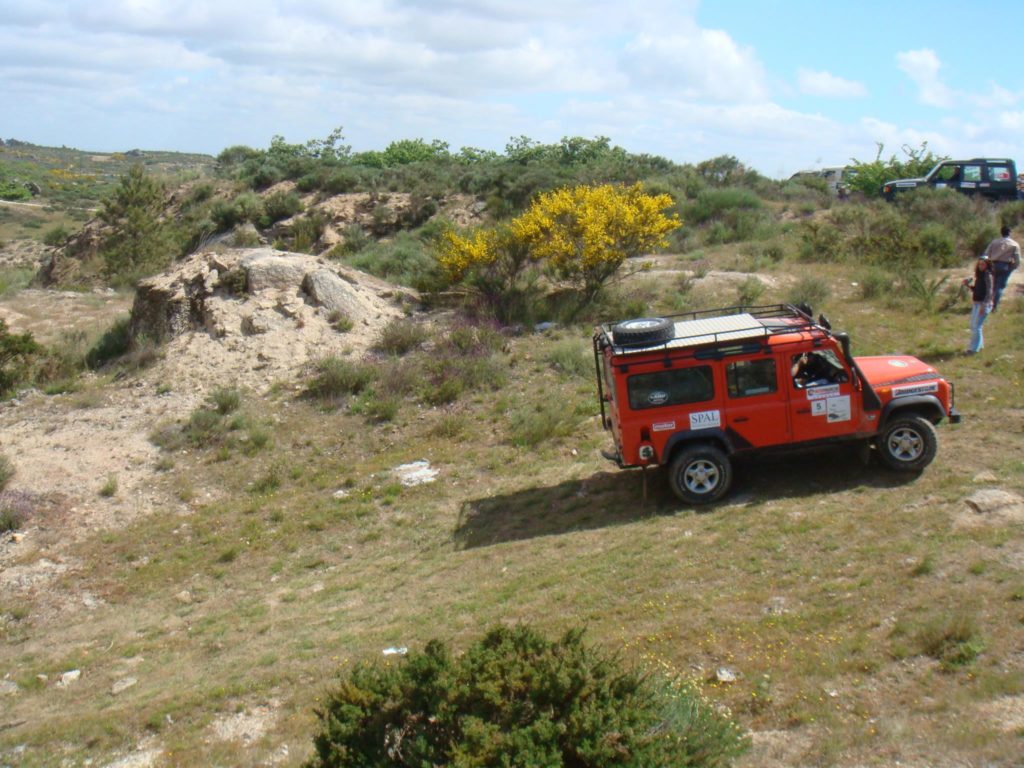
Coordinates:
[400,336]
[811,290]
[226,400]
[6,471]
[115,342]
[333,378]
[517,699]
[951,639]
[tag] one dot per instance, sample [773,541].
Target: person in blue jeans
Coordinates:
[1004,253]
[983,289]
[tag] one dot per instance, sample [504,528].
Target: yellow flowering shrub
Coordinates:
[581,235]
[585,233]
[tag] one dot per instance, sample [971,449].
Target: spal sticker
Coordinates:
[705,419]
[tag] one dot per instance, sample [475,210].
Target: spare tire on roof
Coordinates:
[643,330]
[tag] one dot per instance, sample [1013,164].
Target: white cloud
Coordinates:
[695,63]
[923,68]
[820,83]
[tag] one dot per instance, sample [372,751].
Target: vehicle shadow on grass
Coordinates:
[616,497]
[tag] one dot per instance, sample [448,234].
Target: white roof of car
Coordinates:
[708,330]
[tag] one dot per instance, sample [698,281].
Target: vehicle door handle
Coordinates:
[738,419]
[803,410]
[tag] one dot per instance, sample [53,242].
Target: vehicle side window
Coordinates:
[672,387]
[747,378]
[818,367]
[999,173]
[972,173]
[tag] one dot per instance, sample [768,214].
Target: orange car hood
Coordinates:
[894,369]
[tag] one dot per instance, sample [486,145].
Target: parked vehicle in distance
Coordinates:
[994,178]
[837,177]
[692,391]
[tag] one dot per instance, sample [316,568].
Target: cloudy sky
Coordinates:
[783,85]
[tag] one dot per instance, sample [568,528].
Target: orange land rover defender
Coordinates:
[691,391]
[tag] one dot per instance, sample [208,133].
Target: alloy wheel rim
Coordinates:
[701,476]
[906,444]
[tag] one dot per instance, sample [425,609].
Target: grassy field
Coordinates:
[869,618]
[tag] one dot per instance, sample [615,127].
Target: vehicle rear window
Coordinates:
[999,173]
[747,378]
[673,387]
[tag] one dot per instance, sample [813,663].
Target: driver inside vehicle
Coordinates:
[813,369]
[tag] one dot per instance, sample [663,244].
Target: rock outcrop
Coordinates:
[253,291]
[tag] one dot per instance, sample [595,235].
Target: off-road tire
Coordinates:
[643,330]
[700,474]
[907,443]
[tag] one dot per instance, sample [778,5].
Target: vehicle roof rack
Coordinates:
[727,325]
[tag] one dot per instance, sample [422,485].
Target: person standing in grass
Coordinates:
[1004,253]
[983,289]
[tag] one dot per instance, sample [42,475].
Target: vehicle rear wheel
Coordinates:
[908,443]
[700,475]
[644,330]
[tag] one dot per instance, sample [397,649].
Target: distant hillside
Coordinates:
[76,177]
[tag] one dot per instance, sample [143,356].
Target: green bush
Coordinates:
[139,239]
[14,279]
[339,321]
[115,342]
[951,639]
[307,231]
[234,281]
[399,337]
[714,204]
[16,353]
[6,471]
[354,239]
[445,376]
[811,290]
[572,358]
[377,406]
[875,282]
[749,291]
[938,246]
[533,424]
[205,427]
[334,378]
[405,260]
[820,241]
[517,699]
[225,400]
[870,176]
[109,488]
[56,235]
[279,205]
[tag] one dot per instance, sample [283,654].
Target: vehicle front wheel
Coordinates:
[908,443]
[700,475]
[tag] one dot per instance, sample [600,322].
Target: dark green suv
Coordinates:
[991,177]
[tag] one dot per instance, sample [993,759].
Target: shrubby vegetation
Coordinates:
[871,175]
[16,352]
[463,358]
[578,237]
[516,698]
[139,240]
